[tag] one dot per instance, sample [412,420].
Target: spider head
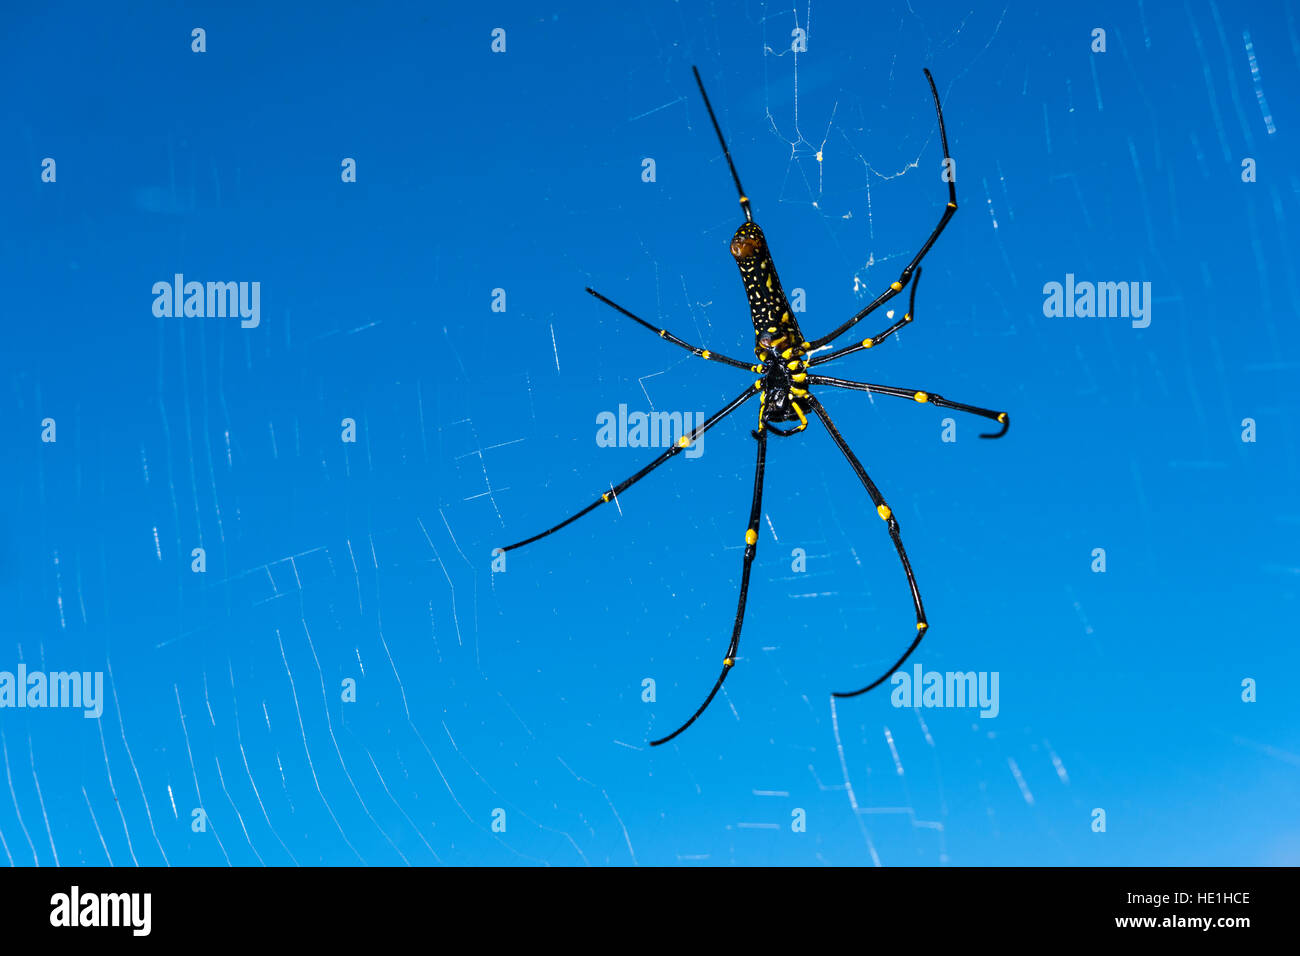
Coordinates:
[748,242]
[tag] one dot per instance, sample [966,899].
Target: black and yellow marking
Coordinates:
[916,395]
[896,286]
[675,449]
[785,391]
[769,309]
[665,334]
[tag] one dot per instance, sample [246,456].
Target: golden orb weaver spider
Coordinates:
[784,390]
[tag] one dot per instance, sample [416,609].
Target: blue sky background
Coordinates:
[522,690]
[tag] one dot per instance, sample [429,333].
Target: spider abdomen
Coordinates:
[769,309]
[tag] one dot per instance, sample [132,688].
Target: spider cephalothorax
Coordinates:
[784,358]
[784,387]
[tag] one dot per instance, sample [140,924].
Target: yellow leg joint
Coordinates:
[896,285]
[907,317]
[727,662]
[605,497]
[798,392]
[1002,416]
[884,512]
[684,442]
[801,377]
[921,397]
[751,536]
[921,625]
[706,354]
[663,333]
[867,343]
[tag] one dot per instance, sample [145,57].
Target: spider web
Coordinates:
[351,681]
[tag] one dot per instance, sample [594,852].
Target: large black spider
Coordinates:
[785,389]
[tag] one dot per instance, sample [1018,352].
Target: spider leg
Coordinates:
[932,398]
[740,190]
[680,445]
[897,287]
[751,546]
[908,316]
[665,334]
[883,510]
[784,434]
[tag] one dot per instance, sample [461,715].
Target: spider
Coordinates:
[785,393]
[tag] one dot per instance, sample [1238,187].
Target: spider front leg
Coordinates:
[668,336]
[948,211]
[751,547]
[887,515]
